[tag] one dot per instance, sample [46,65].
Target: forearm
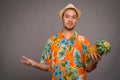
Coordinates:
[91,66]
[41,66]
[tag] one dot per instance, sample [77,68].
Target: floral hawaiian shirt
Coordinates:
[66,57]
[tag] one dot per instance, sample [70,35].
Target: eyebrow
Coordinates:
[70,15]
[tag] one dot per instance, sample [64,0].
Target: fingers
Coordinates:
[28,61]
[25,60]
[94,57]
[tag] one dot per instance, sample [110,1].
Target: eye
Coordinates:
[74,17]
[66,16]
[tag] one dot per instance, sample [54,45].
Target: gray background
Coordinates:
[25,26]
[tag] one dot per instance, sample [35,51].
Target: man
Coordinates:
[65,53]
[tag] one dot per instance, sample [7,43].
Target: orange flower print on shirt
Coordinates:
[66,56]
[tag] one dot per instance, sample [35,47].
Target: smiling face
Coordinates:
[69,19]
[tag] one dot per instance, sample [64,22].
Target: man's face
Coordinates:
[69,19]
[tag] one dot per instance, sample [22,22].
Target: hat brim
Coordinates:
[61,12]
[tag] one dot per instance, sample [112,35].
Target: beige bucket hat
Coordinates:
[67,7]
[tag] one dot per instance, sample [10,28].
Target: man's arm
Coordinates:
[95,58]
[32,63]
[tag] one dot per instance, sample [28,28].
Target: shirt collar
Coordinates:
[73,36]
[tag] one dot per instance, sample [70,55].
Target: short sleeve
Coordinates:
[46,56]
[85,47]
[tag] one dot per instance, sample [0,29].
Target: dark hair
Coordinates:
[68,9]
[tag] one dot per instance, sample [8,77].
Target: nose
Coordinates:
[70,19]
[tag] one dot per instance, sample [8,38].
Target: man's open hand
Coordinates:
[28,61]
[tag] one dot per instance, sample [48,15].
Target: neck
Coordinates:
[67,33]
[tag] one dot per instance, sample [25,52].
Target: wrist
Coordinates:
[34,64]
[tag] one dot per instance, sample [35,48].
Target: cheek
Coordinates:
[65,20]
[75,21]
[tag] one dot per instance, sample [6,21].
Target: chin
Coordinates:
[70,28]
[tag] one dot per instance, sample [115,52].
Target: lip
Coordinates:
[70,24]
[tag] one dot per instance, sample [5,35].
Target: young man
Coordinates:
[65,53]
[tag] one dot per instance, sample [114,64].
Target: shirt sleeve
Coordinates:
[85,49]
[46,57]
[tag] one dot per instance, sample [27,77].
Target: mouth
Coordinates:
[70,24]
